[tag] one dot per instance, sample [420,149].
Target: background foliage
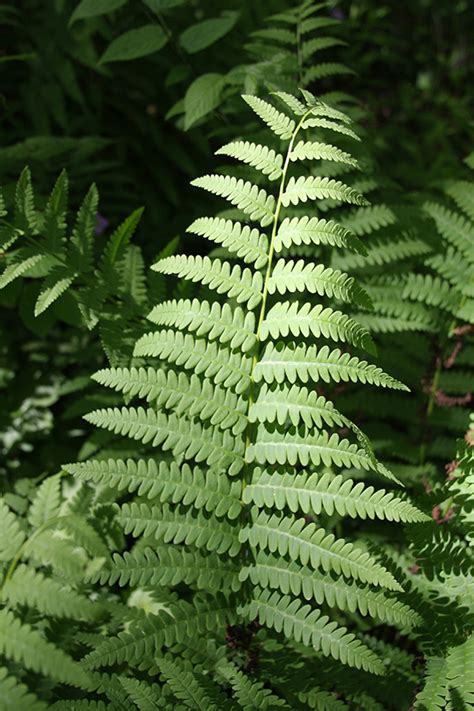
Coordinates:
[136,97]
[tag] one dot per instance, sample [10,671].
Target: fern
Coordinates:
[225,438]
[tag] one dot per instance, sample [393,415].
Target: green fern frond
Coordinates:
[282,362]
[313,546]
[305,230]
[26,646]
[249,198]
[315,188]
[233,326]
[169,482]
[312,494]
[15,695]
[260,157]
[166,566]
[301,623]
[292,276]
[272,572]
[237,283]
[49,597]
[278,122]
[246,242]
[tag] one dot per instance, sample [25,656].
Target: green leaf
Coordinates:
[93,8]
[202,97]
[135,44]
[205,33]
[158,5]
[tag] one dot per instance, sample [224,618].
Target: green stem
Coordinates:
[268,273]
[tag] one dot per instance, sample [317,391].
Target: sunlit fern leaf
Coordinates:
[312,494]
[222,429]
[325,123]
[167,524]
[167,481]
[273,572]
[247,243]
[310,150]
[282,362]
[279,122]
[254,201]
[181,436]
[293,276]
[313,546]
[232,326]
[305,230]
[284,319]
[237,283]
[209,358]
[260,157]
[314,188]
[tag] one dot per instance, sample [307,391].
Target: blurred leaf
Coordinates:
[205,33]
[92,8]
[202,97]
[134,44]
[159,5]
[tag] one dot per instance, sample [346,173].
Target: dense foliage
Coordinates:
[236,431]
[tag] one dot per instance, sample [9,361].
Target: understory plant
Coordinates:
[240,506]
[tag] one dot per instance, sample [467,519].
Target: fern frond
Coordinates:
[250,694]
[314,493]
[224,365]
[305,230]
[272,572]
[15,696]
[167,566]
[169,482]
[29,587]
[264,159]
[239,284]
[178,623]
[11,533]
[278,122]
[254,201]
[183,437]
[315,188]
[309,626]
[246,242]
[232,326]
[282,362]
[168,525]
[26,646]
[312,545]
[292,276]
[461,192]
[291,318]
